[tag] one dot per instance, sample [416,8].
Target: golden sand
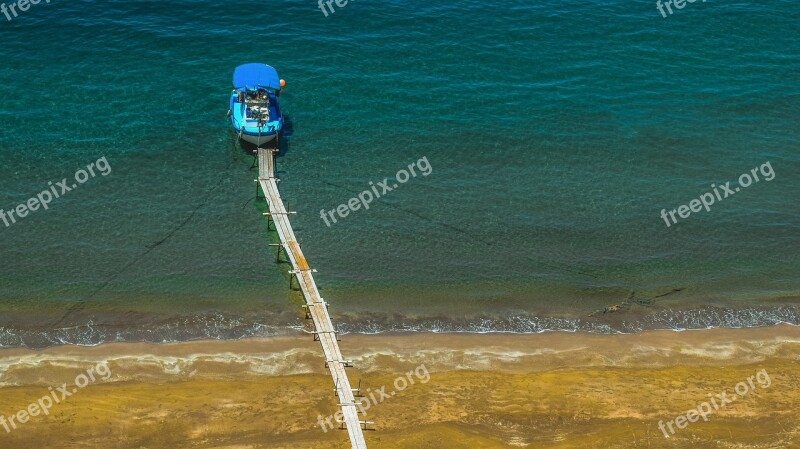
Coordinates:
[552,390]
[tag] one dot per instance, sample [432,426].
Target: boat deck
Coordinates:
[315,305]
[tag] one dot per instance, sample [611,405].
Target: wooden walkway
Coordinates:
[316,307]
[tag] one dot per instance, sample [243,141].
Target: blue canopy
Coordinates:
[256,75]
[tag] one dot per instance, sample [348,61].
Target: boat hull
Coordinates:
[258,140]
[252,130]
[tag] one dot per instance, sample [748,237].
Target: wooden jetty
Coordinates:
[316,308]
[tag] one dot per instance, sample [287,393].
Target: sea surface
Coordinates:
[556,132]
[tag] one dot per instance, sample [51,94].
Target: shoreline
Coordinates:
[293,333]
[548,390]
[287,322]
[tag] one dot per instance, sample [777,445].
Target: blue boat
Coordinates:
[254,110]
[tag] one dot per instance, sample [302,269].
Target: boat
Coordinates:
[254,110]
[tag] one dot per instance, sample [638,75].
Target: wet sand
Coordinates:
[551,390]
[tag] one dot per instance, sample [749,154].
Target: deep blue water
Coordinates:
[556,133]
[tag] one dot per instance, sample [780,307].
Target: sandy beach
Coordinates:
[551,390]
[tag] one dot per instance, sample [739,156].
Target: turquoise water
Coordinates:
[556,133]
